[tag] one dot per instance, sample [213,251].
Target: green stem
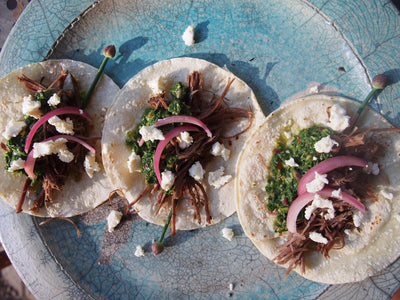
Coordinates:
[165,226]
[366,101]
[364,104]
[85,101]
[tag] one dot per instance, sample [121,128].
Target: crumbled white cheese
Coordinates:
[139,251]
[217,178]
[65,155]
[151,133]
[196,171]
[219,149]
[184,140]
[167,180]
[314,89]
[317,237]
[320,202]
[90,164]
[372,168]
[338,119]
[16,164]
[54,100]
[287,134]
[357,218]
[134,162]
[13,128]
[113,220]
[188,36]
[291,163]
[62,126]
[159,85]
[387,195]
[317,183]
[325,145]
[228,233]
[31,107]
[58,147]
[337,193]
[288,123]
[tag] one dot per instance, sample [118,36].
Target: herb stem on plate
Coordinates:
[379,82]
[108,52]
[158,246]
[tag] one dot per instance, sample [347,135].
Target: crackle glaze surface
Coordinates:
[278,47]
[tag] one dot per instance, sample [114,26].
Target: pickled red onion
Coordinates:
[59,111]
[29,164]
[180,119]
[183,119]
[326,166]
[161,145]
[302,200]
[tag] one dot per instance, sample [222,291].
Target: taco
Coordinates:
[172,138]
[320,198]
[50,146]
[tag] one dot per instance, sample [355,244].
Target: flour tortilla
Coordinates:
[126,112]
[365,253]
[75,197]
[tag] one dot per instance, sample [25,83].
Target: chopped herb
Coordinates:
[177,106]
[282,185]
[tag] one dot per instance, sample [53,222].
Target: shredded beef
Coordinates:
[216,115]
[55,171]
[354,181]
[157,101]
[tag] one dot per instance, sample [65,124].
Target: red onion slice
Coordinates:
[29,164]
[180,119]
[301,201]
[326,166]
[183,119]
[59,111]
[161,145]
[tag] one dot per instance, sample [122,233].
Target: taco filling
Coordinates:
[176,137]
[48,144]
[320,209]
[318,197]
[49,140]
[172,139]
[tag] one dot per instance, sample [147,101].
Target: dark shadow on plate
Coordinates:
[201,32]
[179,238]
[127,48]
[120,69]
[250,74]
[393,75]
[112,241]
[397,4]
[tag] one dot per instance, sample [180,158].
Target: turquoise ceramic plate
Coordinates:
[280,48]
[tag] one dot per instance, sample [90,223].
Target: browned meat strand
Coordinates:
[353,181]
[216,115]
[55,171]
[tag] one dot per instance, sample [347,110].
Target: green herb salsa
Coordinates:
[15,145]
[177,106]
[282,185]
